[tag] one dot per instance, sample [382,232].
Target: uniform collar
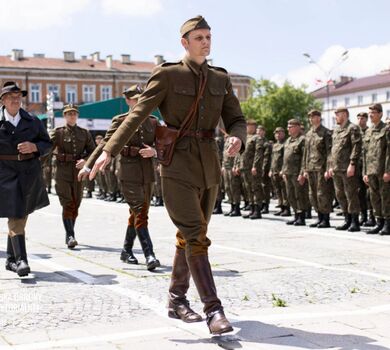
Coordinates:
[195,68]
[71,127]
[379,126]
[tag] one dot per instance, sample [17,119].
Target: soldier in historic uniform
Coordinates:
[318,143]
[345,156]
[71,147]
[374,163]
[190,181]
[136,176]
[23,139]
[292,160]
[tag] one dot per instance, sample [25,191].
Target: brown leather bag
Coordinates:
[166,137]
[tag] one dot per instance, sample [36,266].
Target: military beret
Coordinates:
[279,129]
[294,122]
[363,114]
[314,112]
[197,22]
[133,92]
[376,107]
[70,107]
[251,122]
[341,109]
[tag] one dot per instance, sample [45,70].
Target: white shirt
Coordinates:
[13,120]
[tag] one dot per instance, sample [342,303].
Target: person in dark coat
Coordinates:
[23,139]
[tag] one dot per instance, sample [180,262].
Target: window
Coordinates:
[346,101]
[55,89]
[334,104]
[105,92]
[360,100]
[88,93]
[374,98]
[387,95]
[71,94]
[35,93]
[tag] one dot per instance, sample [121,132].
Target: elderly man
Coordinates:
[189,90]
[23,139]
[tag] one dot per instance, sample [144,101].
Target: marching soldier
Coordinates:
[190,179]
[318,143]
[345,156]
[23,139]
[71,147]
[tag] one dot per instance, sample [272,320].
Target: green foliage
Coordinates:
[277,302]
[272,106]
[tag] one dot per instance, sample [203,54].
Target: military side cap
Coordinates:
[11,86]
[197,22]
[341,109]
[314,112]
[376,107]
[294,122]
[363,114]
[279,129]
[133,92]
[70,107]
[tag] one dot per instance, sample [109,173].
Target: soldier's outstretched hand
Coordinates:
[100,164]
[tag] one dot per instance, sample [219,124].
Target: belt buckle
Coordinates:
[19,157]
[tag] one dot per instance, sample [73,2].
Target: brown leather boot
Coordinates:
[204,281]
[178,305]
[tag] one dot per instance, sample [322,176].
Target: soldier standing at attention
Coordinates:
[190,181]
[23,139]
[318,143]
[345,156]
[227,166]
[71,146]
[266,180]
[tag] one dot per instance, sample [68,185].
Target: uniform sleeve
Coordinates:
[90,146]
[42,140]
[304,157]
[267,158]
[150,99]
[356,140]
[259,154]
[302,148]
[387,163]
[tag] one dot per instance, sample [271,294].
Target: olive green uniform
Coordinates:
[266,180]
[258,164]
[227,165]
[276,168]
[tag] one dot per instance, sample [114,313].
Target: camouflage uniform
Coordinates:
[227,166]
[266,180]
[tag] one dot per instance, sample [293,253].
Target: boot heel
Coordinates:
[173,314]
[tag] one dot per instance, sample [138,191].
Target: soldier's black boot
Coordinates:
[380,222]
[265,209]
[127,255]
[308,214]
[159,202]
[178,305]
[10,262]
[203,278]
[371,222]
[286,211]
[301,219]
[354,223]
[231,210]
[111,197]
[218,207]
[347,222]
[292,222]
[363,217]
[19,248]
[386,228]
[280,211]
[70,240]
[256,213]
[324,222]
[316,223]
[251,211]
[147,248]
[236,211]
[245,206]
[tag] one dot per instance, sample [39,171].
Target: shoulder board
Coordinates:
[167,64]
[121,115]
[219,69]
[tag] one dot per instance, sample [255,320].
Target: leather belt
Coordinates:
[201,134]
[65,157]
[130,151]
[19,156]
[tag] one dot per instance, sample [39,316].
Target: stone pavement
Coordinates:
[282,287]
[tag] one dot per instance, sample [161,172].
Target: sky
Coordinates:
[259,38]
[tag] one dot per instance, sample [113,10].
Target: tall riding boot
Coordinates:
[371,222]
[256,213]
[316,223]
[147,248]
[324,222]
[363,217]
[19,248]
[286,211]
[301,219]
[292,222]
[265,209]
[231,210]
[251,211]
[380,222]
[386,228]
[127,255]
[70,240]
[308,214]
[201,273]
[347,222]
[10,261]
[218,208]
[355,227]
[178,305]
[236,211]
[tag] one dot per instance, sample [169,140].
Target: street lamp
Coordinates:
[328,73]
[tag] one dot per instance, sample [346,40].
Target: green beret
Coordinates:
[133,92]
[197,22]
[70,107]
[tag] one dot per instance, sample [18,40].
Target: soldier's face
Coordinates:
[341,118]
[315,120]
[12,102]
[362,121]
[71,117]
[198,43]
[250,129]
[294,130]
[279,136]
[375,116]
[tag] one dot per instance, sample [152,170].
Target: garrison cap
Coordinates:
[341,109]
[11,86]
[279,129]
[363,114]
[376,107]
[294,122]
[197,22]
[133,92]
[70,107]
[314,112]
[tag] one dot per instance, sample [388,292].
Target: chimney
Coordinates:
[210,61]
[125,59]
[158,59]
[343,80]
[39,55]
[16,55]
[69,56]
[96,56]
[109,62]
[84,57]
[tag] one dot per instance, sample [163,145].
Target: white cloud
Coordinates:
[361,62]
[22,15]
[134,8]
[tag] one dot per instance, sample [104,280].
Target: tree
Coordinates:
[272,106]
